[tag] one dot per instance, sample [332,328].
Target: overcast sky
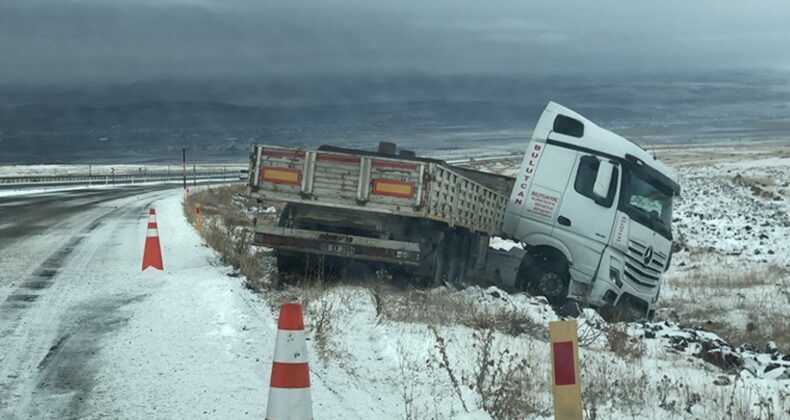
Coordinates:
[44,42]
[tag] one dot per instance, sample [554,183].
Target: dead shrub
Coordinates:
[620,383]
[321,316]
[504,381]
[623,344]
[444,363]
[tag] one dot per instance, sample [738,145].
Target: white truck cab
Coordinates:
[594,211]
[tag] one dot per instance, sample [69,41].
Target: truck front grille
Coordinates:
[646,275]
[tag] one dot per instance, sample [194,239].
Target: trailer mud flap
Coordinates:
[339,245]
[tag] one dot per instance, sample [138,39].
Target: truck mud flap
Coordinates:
[339,245]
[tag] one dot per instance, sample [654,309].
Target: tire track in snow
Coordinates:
[38,366]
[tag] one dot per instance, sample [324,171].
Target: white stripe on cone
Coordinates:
[290,347]
[289,404]
[152,233]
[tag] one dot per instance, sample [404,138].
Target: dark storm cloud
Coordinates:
[110,41]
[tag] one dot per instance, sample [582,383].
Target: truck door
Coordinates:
[587,211]
[543,177]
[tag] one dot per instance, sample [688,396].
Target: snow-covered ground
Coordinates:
[446,353]
[105,340]
[732,221]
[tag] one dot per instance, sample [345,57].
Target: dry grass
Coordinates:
[430,308]
[733,279]
[757,329]
[636,390]
[762,181]
[741,306]
[228,230]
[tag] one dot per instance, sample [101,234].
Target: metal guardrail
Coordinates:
[33,180]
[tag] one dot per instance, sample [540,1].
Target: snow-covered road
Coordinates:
[84,333]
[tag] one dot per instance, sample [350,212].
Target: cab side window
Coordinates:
[586,176]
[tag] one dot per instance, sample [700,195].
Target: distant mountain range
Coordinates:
[218,120]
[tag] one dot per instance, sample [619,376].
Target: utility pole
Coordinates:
[184,166]
[194,175]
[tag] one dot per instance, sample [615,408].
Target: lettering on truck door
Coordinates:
[527,173]
[541,180]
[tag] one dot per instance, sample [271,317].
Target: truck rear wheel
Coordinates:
[290,263]
[451,260]
[541,275]
[440,264]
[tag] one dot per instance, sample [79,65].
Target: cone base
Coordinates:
[289,404]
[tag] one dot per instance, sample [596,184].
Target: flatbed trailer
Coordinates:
[423,217]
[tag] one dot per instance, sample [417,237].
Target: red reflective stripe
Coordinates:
[293,154]
[395,165]
[152,225]
[564,369]
[290,317]
[290,375]
[338,159]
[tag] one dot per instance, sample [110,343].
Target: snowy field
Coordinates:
[718,348]
[197,340]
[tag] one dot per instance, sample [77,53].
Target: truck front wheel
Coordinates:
[542,275]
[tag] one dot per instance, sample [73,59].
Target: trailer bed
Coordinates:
[365,181]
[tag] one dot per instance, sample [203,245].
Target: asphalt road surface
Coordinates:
[85,333]
[48,243]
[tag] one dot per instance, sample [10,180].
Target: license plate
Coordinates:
[338,249]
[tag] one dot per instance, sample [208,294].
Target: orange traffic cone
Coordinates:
[289,392]
[152,256]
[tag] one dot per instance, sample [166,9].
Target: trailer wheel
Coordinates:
[542,275]
[451,259]
[458,251]
[288,263]
[440,264]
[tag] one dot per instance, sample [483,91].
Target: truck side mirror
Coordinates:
[603,179]
[597,179]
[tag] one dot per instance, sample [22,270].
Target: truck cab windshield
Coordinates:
[647,202]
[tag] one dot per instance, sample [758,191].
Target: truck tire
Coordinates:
[451,260]
[288,263]
[540,275]
[459,249]
[293,263]
[440,264]
[454,257]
